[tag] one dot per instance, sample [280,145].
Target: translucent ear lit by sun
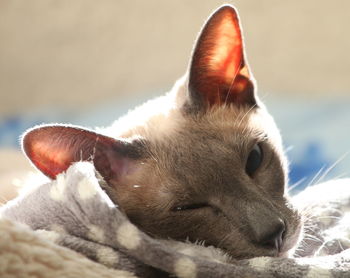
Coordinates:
[49,159]
[226,55]
[44,149]
[218,73]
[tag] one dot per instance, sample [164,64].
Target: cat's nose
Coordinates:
[271,233]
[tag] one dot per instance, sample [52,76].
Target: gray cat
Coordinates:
[203,163]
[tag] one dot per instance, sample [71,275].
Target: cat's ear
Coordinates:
[53,148]
[218,71]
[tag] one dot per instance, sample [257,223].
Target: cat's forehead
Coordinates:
[232,120]
[241,127]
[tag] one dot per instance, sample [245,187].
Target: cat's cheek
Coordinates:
[132,189]
[142,196]
[272,177]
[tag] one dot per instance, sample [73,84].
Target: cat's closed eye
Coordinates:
[254,160]
[190,207]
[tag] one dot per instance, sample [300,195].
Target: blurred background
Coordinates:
[87,62]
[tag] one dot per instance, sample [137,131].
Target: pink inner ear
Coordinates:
[218,71]
[49,159]
[225,57]
[52,149]
[47,151]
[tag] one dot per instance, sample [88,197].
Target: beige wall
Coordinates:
[73,53]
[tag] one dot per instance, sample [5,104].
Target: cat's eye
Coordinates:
[254,160]
[190,207]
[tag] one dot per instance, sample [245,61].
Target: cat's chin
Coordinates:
[254,252]
[222,255]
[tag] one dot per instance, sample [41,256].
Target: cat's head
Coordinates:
[209,167]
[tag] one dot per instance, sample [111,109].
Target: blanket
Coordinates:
[74,214]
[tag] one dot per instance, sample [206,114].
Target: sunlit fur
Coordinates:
[201,158]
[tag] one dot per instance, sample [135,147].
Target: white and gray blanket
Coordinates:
[78,214]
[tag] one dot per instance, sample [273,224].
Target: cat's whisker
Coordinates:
[311,238]
[329,217]
[340,159]
[94,149]
[297,250]
[233,81]
[288,149]
[308,220]
[264,96]
[228,235]
[296,184]
[154,158]
[245,115]
[223,240]
[316,176]
[340,176]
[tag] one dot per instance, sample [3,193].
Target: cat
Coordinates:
[202,163]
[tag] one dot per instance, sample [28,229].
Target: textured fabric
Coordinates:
[74,212]
[25,253]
